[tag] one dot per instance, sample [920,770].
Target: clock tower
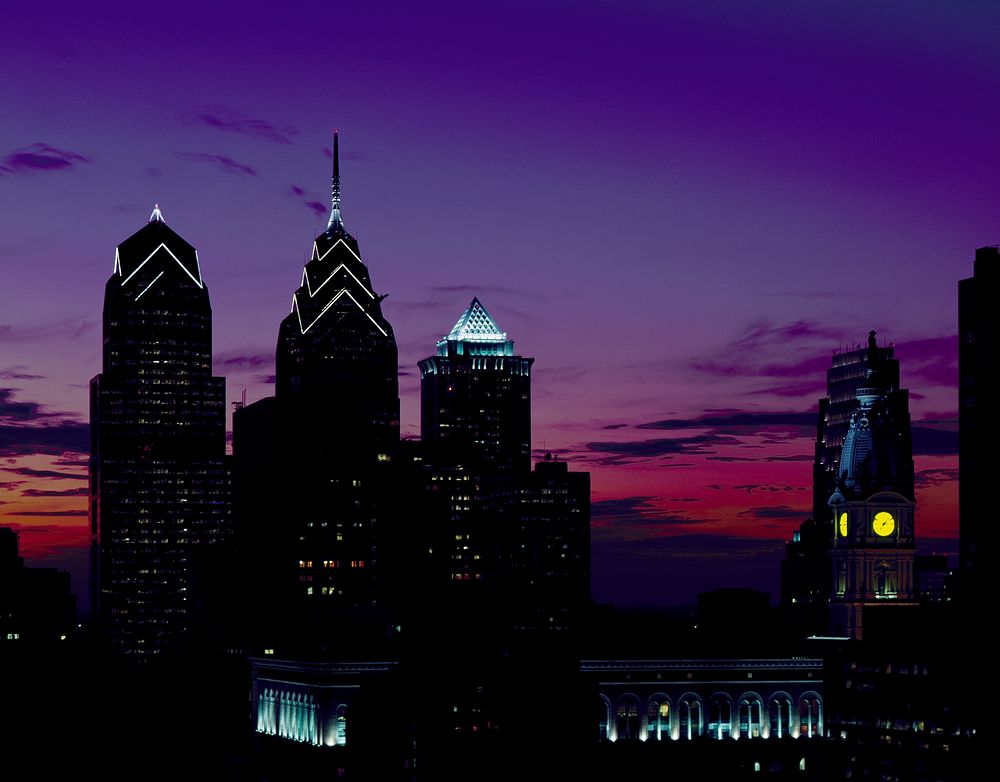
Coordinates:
[872,546]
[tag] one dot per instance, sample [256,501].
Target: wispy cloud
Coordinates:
[232,121]
[637,511]
[17,373]
[766,349]
[31,472]
[50,513]
[13,410]
[27,428]
[80,491]
[774,512]
[935,477]
[750,488]
[250,361]
[64,330]
[221,162]
[39,158]
[309,200]
[741,423]
[612,453]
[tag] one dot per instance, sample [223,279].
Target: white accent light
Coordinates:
[149,286]
[162,246]
[342,266]
[334,300]
[318,257]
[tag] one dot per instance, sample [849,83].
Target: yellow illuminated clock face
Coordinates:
[883,524]
[843,525]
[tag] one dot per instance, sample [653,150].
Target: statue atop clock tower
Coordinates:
[872,547]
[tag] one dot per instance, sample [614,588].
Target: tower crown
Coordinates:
[476,333]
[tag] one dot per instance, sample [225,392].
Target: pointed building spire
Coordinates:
[336,223]
[157,215]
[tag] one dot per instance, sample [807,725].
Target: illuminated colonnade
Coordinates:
[308,703]
[649,700]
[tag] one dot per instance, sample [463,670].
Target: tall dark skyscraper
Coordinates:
[978,422]
[158,484]
[475,397]
[315,462]
[475,425]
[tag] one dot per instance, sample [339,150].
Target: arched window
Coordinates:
[779,709]
[604,726]
[810,715]
[658,718]
[751,716]
[887,584]
[341,724]
[627,722]
[720,721]
[690,714]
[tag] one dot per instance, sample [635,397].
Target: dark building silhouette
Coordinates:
[978,424]
[158,482]
[475,398]
[315,463]
[545,548]
[36,605]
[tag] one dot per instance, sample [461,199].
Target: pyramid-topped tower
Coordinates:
[476,396]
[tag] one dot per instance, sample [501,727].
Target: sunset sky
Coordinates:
[680,209]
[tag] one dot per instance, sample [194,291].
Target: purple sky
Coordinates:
[680,209]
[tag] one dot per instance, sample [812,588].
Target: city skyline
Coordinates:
[681,264]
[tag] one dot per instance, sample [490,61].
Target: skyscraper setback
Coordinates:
[158,484]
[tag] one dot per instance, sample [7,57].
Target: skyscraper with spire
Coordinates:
[314,462]
[336,351]
[158,484]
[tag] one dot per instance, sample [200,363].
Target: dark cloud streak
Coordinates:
[221,162]
[38,158]
[229,121]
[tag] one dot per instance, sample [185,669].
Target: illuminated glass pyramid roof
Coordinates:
[476,325]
